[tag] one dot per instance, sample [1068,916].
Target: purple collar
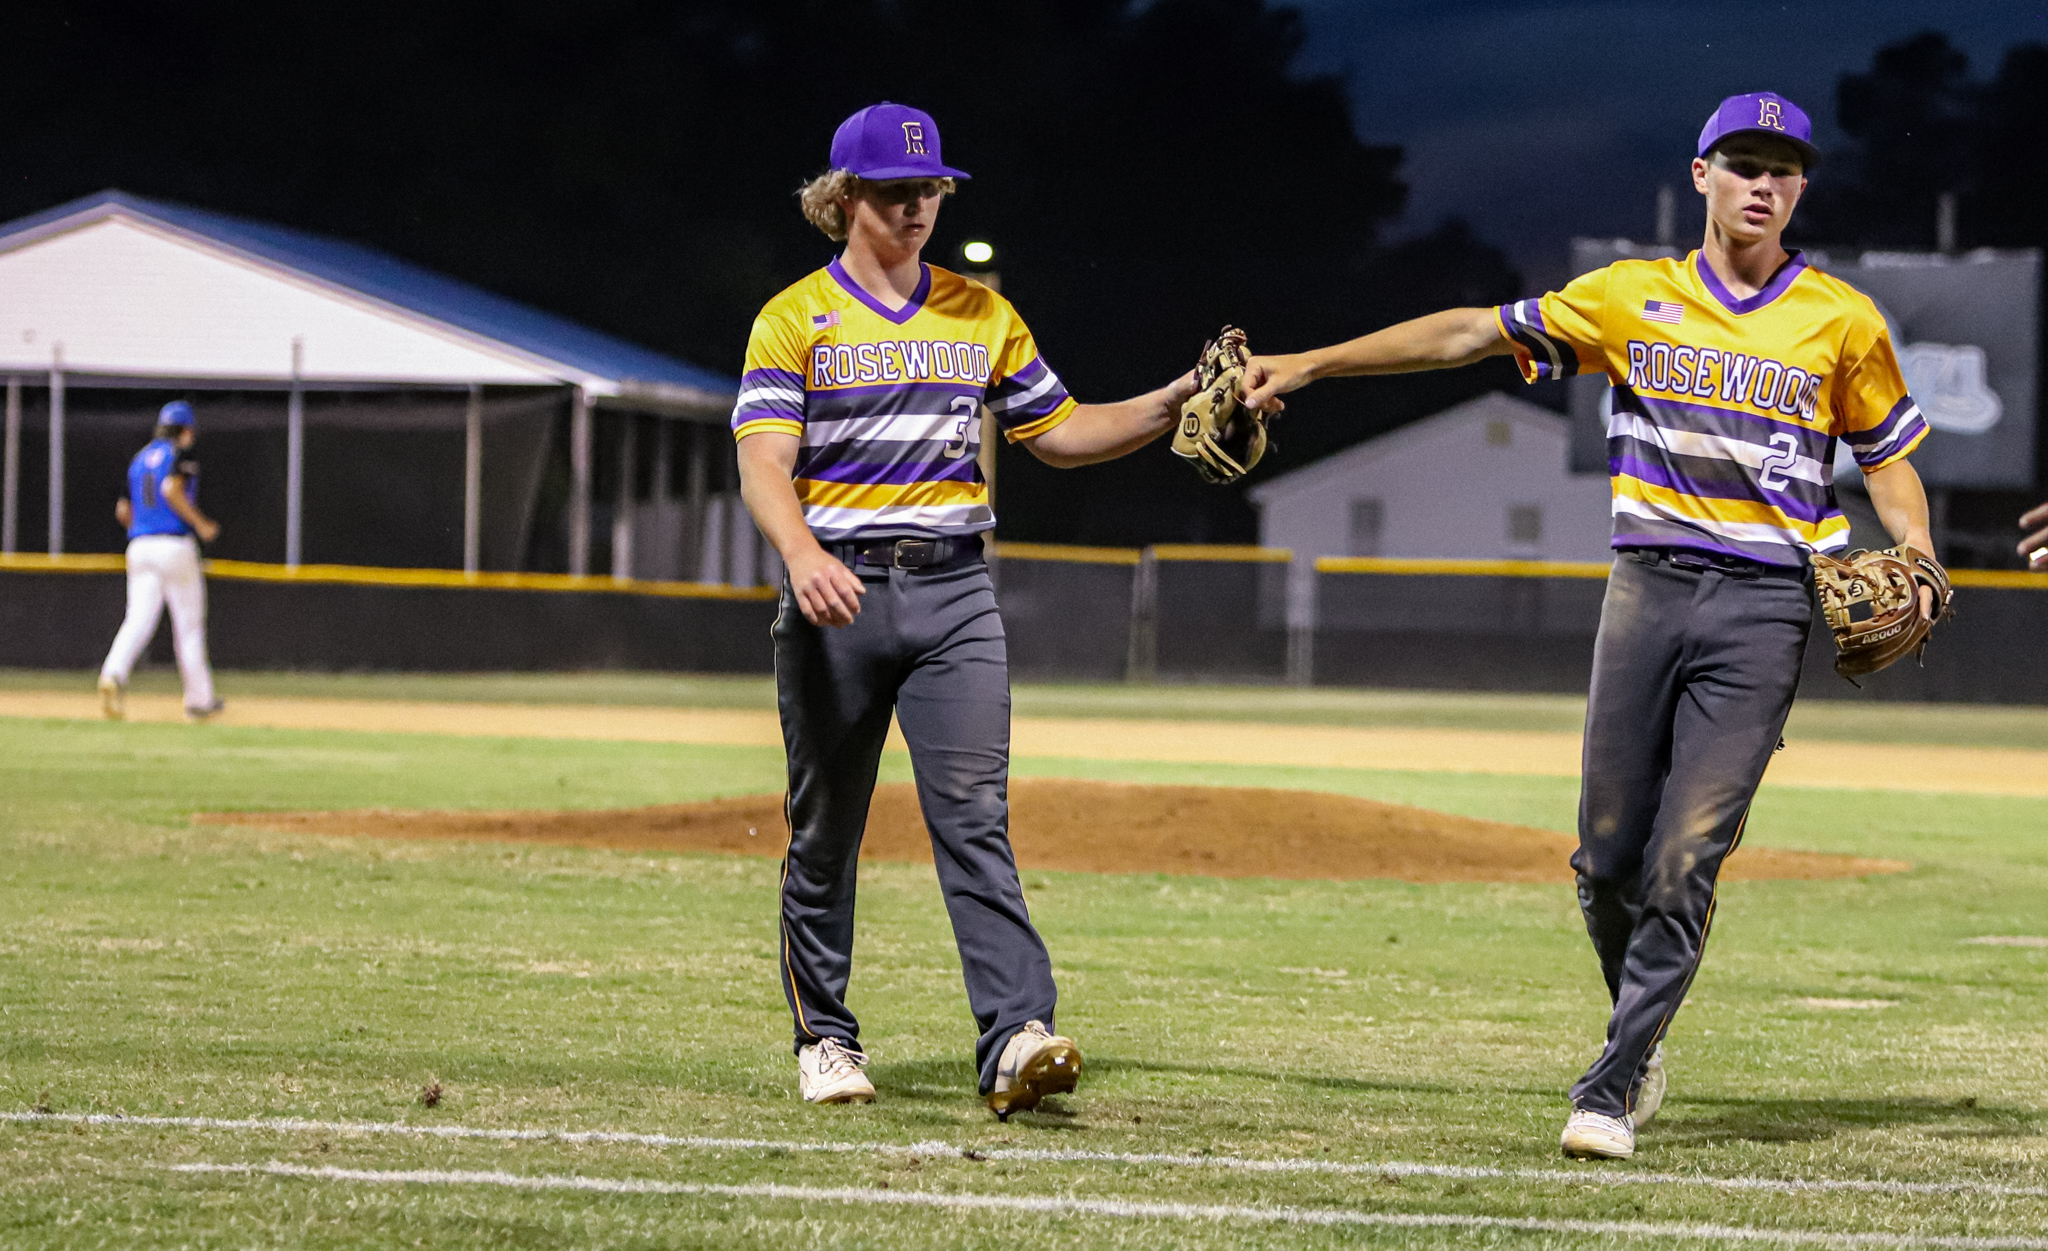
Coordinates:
[858,292]
[1776,287]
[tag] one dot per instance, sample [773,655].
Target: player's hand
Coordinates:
[207,531]
[827,592]
[1267,378]
[1179,392]
[2035,546]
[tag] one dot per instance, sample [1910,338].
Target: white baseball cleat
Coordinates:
[1593,1136]
[201,714]
[1650,1094]
[113,699]
[1034,1064]
[829,1071]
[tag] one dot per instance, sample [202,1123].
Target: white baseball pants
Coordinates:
[165,567]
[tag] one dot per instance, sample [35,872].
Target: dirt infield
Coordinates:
[1805,763]
[1089,827]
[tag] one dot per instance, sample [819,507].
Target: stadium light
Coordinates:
[978,252]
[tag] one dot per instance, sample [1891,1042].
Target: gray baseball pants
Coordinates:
[928,644]
[1693,674]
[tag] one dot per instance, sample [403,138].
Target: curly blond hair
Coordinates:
[821,199]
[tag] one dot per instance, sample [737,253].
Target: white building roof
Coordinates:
[120,288]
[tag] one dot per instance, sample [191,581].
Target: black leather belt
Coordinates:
[1695,561]
[931,555]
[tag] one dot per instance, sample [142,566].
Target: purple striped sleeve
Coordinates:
[1544,355]
[1032,393]
[1899,433]
[771,395]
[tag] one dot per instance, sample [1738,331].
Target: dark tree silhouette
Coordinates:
[1921,127]
[2010,207]
[1147,171]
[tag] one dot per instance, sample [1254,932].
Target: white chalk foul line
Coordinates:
[1054,1205]
[1587,1175]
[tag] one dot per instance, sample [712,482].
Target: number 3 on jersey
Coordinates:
[964,407]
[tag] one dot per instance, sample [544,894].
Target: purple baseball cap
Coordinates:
[1763,113]
[886,140]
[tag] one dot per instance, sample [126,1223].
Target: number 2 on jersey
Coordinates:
[1783,455]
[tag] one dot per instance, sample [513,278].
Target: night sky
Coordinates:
[1538,120]
[1147,169]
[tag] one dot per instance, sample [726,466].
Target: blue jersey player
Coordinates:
[165,528]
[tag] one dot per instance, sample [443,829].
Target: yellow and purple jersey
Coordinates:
[1726,410]
[887,405]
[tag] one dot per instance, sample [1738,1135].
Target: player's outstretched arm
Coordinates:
[1456,336]
[827,592]
[2035,546]
[1099,432]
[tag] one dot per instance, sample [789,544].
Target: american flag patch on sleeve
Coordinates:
[825,320]
[1667,311]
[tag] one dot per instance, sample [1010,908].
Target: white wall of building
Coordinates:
[1485,480]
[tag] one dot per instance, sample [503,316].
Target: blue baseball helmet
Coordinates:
[175,413]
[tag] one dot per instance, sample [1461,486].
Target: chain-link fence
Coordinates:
[1167,613]
[1067,611]
[1463,624]
[1185,613]
[1211,613]
[1181,612]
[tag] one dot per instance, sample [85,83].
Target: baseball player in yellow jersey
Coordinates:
[859,424]
[1735,371]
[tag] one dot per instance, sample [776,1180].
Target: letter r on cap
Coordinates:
[1768,115]
[913,138]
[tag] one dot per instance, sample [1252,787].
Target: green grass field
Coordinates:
[1842,1030]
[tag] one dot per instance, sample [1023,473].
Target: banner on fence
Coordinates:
[1967,331]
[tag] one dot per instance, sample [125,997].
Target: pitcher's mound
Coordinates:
[1090,827]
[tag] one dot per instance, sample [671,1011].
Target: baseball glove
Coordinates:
[1872,603]
[1217,433]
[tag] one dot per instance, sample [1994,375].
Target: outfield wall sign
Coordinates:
[1967,332]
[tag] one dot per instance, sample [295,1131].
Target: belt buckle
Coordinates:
[913,553]
[1690,562]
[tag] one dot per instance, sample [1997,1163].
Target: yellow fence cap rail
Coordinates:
[371,575]
[69,562]
[2001,579]
[1243,552]
[2004,579]
[366,575]
[1067,552]
[1464,568]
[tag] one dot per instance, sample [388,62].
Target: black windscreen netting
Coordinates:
[383,471]
[1463,632]
[1458,603]
[1221,620]
[1066,619]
